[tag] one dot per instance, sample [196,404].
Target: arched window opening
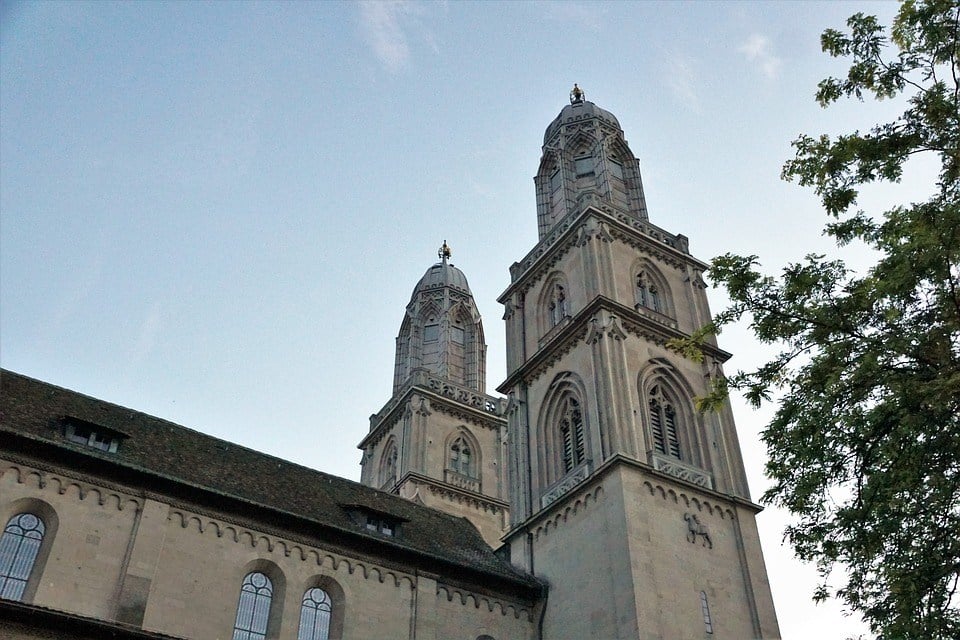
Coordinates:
[389,468]
[571,435]
[556,181]
[461,458]
[648,294]
[253,610]
[584,166]
[19,546]
[616,169]
[458,334]
[705,609]
[315,611]
[558,305]
[663,424]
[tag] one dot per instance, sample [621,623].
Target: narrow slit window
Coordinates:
[572,437]
[705,609]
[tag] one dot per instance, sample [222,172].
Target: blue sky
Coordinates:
[216,212]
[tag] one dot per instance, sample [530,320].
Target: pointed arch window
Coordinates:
[19,546]
[253,609]
[616,168]
[556,180]
[663,424]
[458,335]
[389,467]
[648,294]
[315,611]
[461,457]
[571,434]
[584,166]
[558,307]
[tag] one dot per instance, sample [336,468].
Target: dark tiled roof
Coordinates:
[171,458]
[49,623]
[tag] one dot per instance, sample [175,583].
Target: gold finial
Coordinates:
[444,253]
[576,94]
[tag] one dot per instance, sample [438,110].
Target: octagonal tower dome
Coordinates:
[586,160]
[441,332]
[442,274]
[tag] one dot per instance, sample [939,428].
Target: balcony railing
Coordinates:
[677,469]
[461,481]
[565,484]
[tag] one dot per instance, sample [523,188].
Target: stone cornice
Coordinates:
[447,397]
[666,247]
[268,519]
[633,322]
[595,479]
[478,500]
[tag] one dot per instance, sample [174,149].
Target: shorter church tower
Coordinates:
[439,439]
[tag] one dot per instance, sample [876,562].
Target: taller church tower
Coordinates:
[633,506]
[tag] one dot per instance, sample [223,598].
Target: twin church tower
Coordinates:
[595,473]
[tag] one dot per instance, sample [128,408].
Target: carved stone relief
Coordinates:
[697,530]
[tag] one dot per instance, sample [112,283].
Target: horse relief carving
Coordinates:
[696,529]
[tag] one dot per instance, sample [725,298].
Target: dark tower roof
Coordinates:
[578,111]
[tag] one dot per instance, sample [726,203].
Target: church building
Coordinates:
[588,500]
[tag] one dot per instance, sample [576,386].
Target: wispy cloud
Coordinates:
[382,24]
[682,80]
[590,16]
[758,50]
[149,331]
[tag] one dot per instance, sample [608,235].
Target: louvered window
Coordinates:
[571,435]
[460,457]
[648,294]
[663,425]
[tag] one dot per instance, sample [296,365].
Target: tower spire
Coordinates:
[576,94]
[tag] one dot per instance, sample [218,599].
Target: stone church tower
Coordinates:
[439,439]
[632,506]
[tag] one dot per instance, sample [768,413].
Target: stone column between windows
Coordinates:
[606,421]
[423,609]
[519,455]
[591,259]
[622,391]
[140,566]
[419,413]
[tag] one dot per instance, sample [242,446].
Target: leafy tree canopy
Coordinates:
[864,446]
